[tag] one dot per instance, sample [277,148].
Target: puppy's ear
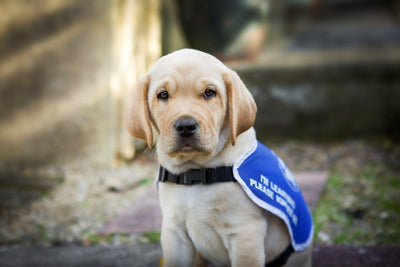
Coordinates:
[138,117]
[241,105]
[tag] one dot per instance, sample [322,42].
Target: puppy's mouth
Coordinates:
[187,147]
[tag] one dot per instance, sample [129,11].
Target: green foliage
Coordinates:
[151,237]
[360,208]
[44,236]
[147,238]
[94,239]
[145,182]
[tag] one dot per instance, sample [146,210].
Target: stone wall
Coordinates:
[326,101]
[66,69]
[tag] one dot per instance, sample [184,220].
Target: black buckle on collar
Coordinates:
[194,176]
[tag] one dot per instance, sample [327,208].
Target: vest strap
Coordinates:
[282,258]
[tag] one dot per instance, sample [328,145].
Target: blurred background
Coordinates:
[325,75]
[317,68]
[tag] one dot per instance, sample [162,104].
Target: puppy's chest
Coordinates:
[223,205]
[208,215]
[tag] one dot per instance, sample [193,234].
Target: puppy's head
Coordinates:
[195,103]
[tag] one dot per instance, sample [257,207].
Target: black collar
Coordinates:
[197,176]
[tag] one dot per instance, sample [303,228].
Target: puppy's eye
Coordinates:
[209,93]
[163,96]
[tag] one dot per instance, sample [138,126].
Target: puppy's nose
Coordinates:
[186,127]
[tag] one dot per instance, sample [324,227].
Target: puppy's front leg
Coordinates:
[178,250]
[247,248]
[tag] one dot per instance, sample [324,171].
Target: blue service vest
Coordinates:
[269,184]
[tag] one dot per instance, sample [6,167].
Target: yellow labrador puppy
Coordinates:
[204,115]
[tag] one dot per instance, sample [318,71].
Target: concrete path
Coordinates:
[80,256]
[356,256]
[149,255]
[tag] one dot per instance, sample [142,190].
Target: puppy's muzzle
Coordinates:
[186,127]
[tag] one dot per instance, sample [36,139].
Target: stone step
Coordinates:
[19,187]
[12,198]
[336,78]
[326,94]
[354,256]
[34,183]
[149,255]
[145,215]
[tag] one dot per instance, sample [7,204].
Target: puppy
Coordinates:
[204,116]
